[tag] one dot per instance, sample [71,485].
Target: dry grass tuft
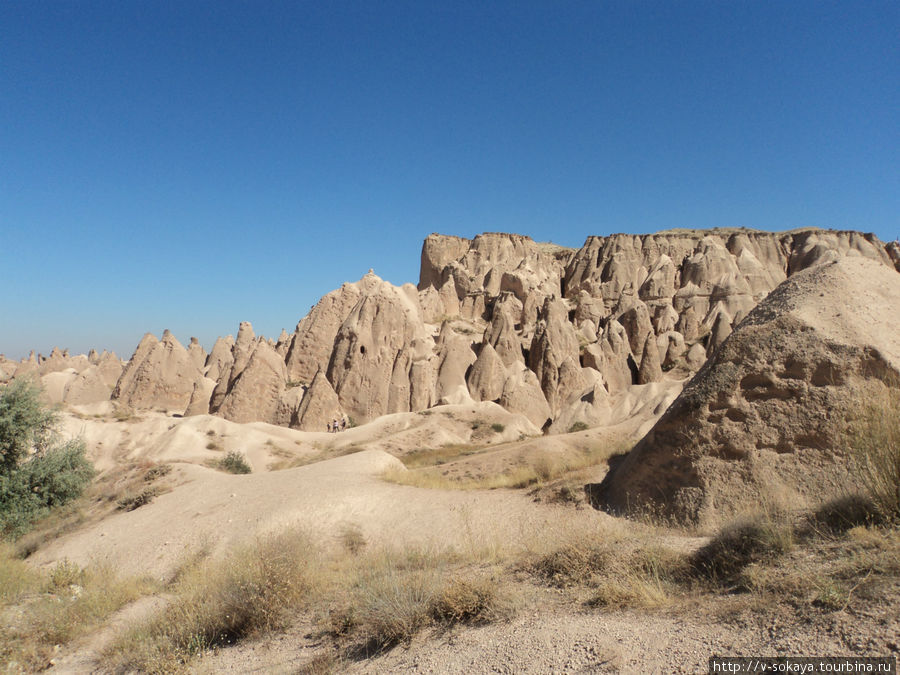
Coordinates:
[56,607]
[254,590]
[874,440]
[747,540]
[541,469]
[475,601]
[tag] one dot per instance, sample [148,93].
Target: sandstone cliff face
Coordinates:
[370,361]
[559,334]
[160,374]
[764,416]
[255,394]
[310,348]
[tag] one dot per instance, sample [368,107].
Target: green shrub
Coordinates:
[499,428]
[25,423]
[50,479]
[578,426]
[234,462]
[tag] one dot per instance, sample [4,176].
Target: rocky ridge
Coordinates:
[551,332]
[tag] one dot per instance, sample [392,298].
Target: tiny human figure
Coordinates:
[329,427]
[343,423]
[334,426]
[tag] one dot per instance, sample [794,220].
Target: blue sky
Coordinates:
[189,165]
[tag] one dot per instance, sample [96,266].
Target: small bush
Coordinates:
[36,475]
[578,426]
[498,428]
[572,563]
[470,601]
[844,513]
[234,462]
[352,538]
[739,544]
[156,472]
[135,501]
[45,481]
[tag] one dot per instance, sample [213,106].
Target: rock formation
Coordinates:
[160,374]
[558,334]
[763,419]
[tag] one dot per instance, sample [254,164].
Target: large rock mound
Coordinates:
[762,421]
[160,374]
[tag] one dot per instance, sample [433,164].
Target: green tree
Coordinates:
[36,473]
[25,423]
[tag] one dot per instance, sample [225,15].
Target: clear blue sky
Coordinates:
[189,165]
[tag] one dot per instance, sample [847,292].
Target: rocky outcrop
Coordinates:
[88,386]
[256,393]
[241,352]
[313,340]
[160,374]
[763,419]
[487,376]
[370,358]
[319,407]
[220,359]
[199,403]
[623,311]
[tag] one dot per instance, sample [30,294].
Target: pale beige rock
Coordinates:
[487,376]
[433,310]
[241,352]
[522,394]
[455,355]
[255,394]
[696,356]
[160,374]
[721,329]
[650,369]
[616,360]
[501,335]
[283,343]
[87,387]
[220,359]
[384,322]
[319,407]
[761,423]
[197,353]
[554,341]
[421,384]
[110,367]
[199,403]
[313,340]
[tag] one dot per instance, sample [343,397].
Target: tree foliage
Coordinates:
[36,473]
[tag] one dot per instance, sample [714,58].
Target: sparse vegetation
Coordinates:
[747,540]
[498,428]
[252,591]
[135,501]
[578,426]
[234,462]
[63,604]
[352,538]
[541,468]
[874,440]
[212,445]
